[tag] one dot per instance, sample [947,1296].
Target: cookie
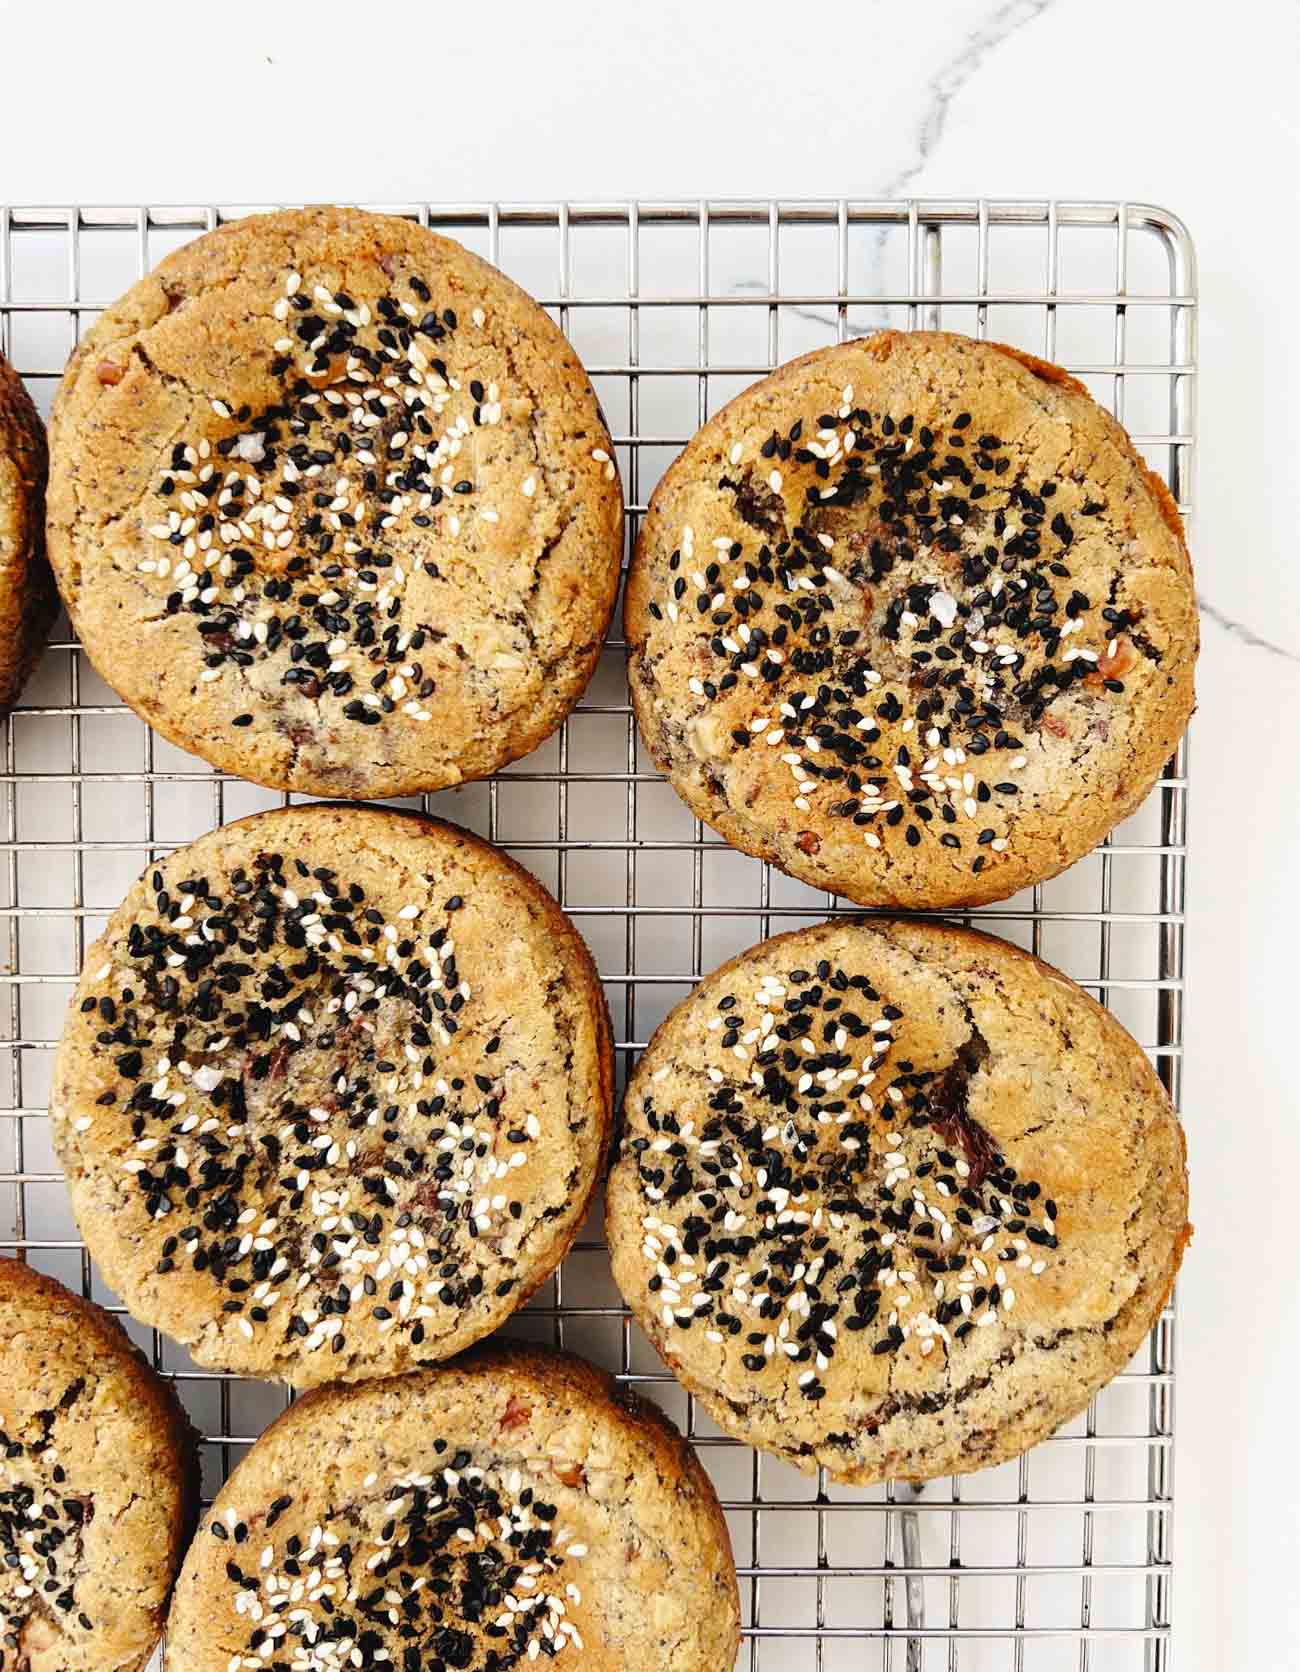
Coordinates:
[333,506]
[333,1093]
[510,1508]
[28,601]
[895,1198]
[911,619]
[98,1485]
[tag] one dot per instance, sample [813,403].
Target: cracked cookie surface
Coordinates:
[98,1484]
[895,1198]
[333,506]
[333,1092]
[514,1507]
[912,620]
[28,601]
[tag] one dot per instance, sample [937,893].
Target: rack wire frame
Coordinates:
[1062,1558]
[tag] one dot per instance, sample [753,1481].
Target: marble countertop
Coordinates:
[1086,98]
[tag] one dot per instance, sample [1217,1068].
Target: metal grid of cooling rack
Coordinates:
[1060,1559]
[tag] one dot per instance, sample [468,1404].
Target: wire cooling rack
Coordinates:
[1061,1559]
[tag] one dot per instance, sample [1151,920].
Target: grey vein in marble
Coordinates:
[1244,634]
[944,86]
[940,91]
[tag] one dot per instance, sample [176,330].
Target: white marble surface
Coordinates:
[1107,98]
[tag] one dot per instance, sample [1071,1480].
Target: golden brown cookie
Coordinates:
[98,1485]
[28,601]
[333,505]
[510,1508]
[911,619]
[895,1198]
[333,1093]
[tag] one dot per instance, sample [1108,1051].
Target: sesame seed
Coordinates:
[968,583]
[779,1148]
[315,487]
